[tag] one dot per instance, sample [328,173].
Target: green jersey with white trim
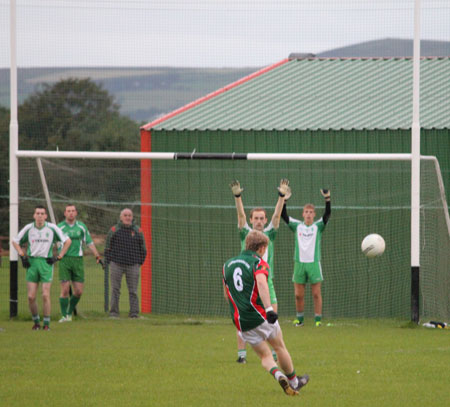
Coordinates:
[40,240]
[307,240]
[78,233]
[271,233]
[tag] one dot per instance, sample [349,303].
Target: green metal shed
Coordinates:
[312,105]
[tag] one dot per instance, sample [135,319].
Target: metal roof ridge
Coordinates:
[190,105]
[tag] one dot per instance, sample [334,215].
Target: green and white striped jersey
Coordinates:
[40,240]
[78,233]
[307,240]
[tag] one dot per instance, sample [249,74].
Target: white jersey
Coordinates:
[40,240]
[307,240]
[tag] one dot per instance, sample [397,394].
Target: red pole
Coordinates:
[146,222]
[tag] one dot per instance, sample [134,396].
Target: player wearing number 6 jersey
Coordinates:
[258,220]
[40,237]
[245,286]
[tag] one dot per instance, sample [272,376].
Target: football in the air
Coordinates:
[373,245]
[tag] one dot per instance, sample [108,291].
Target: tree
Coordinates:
[72,114]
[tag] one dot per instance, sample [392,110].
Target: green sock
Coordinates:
[301,316]
[46,321]
[242,353]
[72,304]
[317,318]
[36,319]
[64,303]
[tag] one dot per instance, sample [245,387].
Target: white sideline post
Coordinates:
[13,167]
[415,171]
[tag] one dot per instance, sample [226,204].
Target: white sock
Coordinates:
[278,374]
[294,382]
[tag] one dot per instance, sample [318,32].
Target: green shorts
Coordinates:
[39,271]
[71,269]
[307,273]
[273,296]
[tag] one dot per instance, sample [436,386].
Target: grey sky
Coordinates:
[204,33]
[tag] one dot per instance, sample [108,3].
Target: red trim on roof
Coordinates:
[152,124]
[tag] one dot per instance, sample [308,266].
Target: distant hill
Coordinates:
[145,94]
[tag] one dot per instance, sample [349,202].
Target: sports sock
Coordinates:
[301,316]
[36,319]
[293,379]
[242,353]
[275,372]
[64,304]
[317,317]
[72,304]
[46,321]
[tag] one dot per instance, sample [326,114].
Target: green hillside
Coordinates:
[143,93]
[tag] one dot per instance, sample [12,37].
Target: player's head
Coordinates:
[70,213]
[40,215]
[258,218]
[256,241]
[309,213]
[126,216]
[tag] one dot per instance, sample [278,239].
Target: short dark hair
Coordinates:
[40,207]
[71,204]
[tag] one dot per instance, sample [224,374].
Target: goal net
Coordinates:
[191,230]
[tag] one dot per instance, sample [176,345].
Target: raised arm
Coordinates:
[283,191]
[327,195]
[237,191]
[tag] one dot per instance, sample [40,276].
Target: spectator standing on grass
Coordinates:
[307,267]
[71,267]
[245,286]
[258,220]
[125,252]
[38,260]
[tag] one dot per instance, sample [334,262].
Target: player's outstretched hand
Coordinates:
[283,188]
[288,194]
[52,260]
[25,262]
[236,188]
[326,194]
[272,317]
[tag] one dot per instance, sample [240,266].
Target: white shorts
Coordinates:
[260,333]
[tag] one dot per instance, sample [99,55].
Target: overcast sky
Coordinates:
[203,33]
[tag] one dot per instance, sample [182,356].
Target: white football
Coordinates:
[373,245]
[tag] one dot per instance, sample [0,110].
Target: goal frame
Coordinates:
[146,198]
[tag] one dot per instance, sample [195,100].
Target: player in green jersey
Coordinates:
[40,237]
[258,220]
[307,267]
[245,280]
[71,267]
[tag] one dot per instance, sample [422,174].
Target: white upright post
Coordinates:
[415,170]
[13,165]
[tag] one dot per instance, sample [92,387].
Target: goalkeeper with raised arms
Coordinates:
[245,282]
[307,267]
[258,220]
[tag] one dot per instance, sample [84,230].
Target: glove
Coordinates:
[100,261]
[288,194]
[25,262]
[236,188]
[326,194]
[52,260]
[271,317]
[284,186]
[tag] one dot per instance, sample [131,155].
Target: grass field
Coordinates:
[177,361]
